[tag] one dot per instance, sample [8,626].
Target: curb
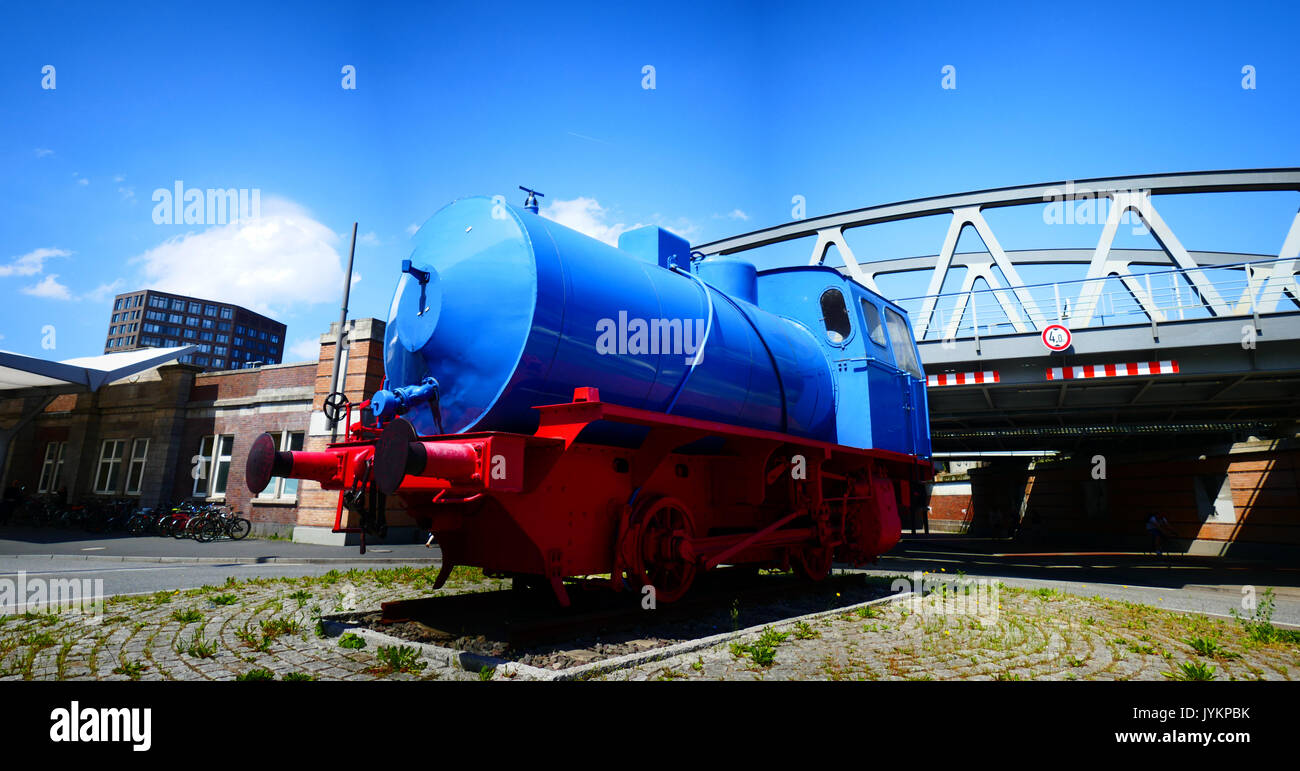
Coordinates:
[474,662]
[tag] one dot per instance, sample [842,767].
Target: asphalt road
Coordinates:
[130,577]
[134,564]
[1212,586]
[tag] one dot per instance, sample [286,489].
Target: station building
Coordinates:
[178,432]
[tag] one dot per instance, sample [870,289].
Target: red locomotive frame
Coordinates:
[548,507]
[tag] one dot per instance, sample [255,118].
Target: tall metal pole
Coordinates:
[343,320]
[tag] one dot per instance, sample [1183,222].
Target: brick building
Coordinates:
[177,432]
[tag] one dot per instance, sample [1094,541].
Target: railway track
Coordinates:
[520,624]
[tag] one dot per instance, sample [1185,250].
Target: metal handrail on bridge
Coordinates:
[1155,297]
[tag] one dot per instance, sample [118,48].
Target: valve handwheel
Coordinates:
[335,406]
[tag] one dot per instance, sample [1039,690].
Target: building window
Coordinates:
[280,488]
[218,363]
[227,313]
[110,465]
[210,310]
[52,468]
[195,307]
[117,306]
[178,305]
[213,464]
[135,474]
[208,323]
[224,326]
[192,321]
[190,334]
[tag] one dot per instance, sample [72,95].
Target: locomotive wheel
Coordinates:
[658,559]
[813,563]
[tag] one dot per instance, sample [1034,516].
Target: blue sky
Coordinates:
[753,103]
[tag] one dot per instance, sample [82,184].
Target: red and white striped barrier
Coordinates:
[963,378]
[1113,370]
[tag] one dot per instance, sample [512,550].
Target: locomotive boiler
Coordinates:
[555,407]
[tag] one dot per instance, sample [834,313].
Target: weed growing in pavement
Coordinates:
[187,616]
[225,599]
[298,677]
[398,658]
[352,641]
[763,650]
[1191,670]
[254,675]
[1210,648]
[485,673]
[198,646]
[132,669]
[302,595]
[804,631]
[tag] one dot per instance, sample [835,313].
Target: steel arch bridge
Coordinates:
[1210,344]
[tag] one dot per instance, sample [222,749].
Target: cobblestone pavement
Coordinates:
[1035,635]
[263,626]
[267,628]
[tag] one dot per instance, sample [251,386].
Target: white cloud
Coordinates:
[119,178]
[49,288]
[127,193]
[41,152]
[411,229]
[737,214]
[587,216]
[104,291]
[281,259]
[31,263]
[368,239]
[83,181]
[306,349]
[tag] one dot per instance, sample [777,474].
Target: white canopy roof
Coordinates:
[19,371]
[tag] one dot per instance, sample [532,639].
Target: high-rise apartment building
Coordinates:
[227,336]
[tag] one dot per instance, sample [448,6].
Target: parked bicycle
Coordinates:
[224,525]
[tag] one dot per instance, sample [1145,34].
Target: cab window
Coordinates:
[901,336]
[835,315]
[874,329]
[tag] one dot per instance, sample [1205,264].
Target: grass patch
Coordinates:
[1191,670]
[399,658]
[763,650]
[352,641]
[198,646]
[225,599]
[255,675]
[187,616]
[298,677]
[132,669]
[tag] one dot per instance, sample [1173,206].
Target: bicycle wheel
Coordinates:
[240,528]
[207,531]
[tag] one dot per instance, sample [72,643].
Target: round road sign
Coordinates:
[1057,337]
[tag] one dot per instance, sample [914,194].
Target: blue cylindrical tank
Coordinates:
[507,310]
